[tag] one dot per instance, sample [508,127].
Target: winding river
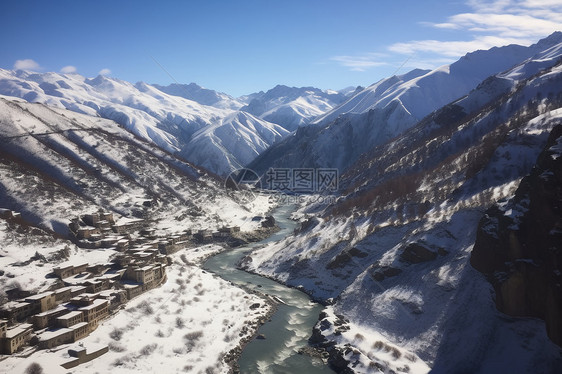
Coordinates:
[289,327]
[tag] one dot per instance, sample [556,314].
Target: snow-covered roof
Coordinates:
[39,296]
[51,334]
[78,325]
[126,221]
[14,304]
[58,309]
[63,289]
[96,303]
[70,315]
[17,330]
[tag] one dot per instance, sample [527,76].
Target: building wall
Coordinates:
[15,343]
[67,322]
[48,302]
[58,340]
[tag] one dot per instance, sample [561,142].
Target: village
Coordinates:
[86,294]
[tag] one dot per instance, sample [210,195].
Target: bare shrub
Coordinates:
[116,334]
[34,368]
[146,308]
[192,338]
[116,347]
[179,350]
[410,357]
[122,360]
[180,324]
[148,349]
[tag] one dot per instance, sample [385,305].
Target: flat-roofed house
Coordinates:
[16,337]
[87,232]
[67,270]
[63,294]
[46,300]
[70,319]
[133,290]
[19,310]
[96,311]
[48,318]
[80,330]
[3,327]
[52,338]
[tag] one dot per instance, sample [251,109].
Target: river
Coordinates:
[289,327]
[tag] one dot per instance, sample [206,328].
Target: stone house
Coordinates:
[48,318]
[52,338]
[18,310]
[3,328]
[126,225]
[63,294]
[67,270]
[87,232]
[96,311]
[16,337]
[133,290]
[46,300]
[70,319]
[82,355]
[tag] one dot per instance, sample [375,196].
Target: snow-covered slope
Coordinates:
[203,96]
[292,107]
[391,106]
[392,255]
[56,164]
[232,143]
[169,121]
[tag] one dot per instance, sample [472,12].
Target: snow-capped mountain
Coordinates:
[389,107]
[392,254]
[232,143]
[203,96]
[56,164]
[292,107]
[169,121]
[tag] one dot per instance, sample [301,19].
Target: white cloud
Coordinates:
[492,23]
[360,63]
[105,71]
[450,48]
[489,23]
[68,69]
[26,64]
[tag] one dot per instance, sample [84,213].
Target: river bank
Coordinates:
[287,330]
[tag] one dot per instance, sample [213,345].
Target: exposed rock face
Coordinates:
[415,253]
[268,222]
[519,243]
[345,257]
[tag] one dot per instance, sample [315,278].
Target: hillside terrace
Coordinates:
[87,294]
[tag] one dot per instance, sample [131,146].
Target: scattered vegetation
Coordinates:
[148,349]
[116,334]
[34,368]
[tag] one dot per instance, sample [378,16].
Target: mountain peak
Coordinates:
[551,40]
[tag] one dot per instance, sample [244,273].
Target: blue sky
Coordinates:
[244,46]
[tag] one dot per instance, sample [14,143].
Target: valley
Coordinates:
[434,247]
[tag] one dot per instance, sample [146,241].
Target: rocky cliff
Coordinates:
[519,243]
